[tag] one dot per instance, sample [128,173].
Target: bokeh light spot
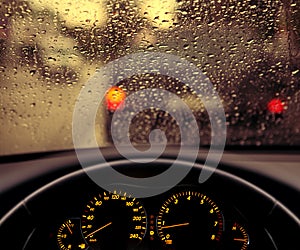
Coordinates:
[276,106]
[115,97]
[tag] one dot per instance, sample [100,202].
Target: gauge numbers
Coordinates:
[113,221]
[188,219]
[69,235]
[239,237]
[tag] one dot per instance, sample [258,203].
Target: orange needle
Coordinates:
[240,239]
[176,225]
[69,228]
[98,229]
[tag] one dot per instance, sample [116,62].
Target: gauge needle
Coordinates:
[176,225]
[98,229]
[69,228]
[240,239]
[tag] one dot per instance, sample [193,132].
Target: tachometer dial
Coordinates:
[69,235]
[188,219]
[113,221]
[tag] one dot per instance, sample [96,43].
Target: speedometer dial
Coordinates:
[113,221]
[188,219]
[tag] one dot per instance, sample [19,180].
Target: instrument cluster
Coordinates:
[181,218]
[75,212]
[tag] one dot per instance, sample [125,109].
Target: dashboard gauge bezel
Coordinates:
[189,200]
[72,238]
[118,215]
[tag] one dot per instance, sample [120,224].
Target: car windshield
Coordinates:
[249,51]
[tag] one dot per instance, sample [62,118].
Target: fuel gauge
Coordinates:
[69,235]
[239,237]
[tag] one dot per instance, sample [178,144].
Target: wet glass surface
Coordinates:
[250,51]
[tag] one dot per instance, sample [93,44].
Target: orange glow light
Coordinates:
[115,97]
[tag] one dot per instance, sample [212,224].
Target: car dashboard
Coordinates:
[52,203]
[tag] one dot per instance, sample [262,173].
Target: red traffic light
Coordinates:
[276,106]
[115,97]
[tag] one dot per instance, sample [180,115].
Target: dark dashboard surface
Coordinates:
[251,201]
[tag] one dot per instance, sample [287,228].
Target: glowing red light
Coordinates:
[276,106]
[115,96]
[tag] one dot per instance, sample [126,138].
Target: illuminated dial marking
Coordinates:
[239,237]
[113,221]
[189,218]
[69,235]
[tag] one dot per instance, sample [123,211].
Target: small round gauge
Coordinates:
[239,239]
[188,219]
[69,235]
[113,221]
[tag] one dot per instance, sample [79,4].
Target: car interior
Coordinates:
[150,124]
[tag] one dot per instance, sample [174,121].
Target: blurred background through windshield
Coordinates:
[250,51]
